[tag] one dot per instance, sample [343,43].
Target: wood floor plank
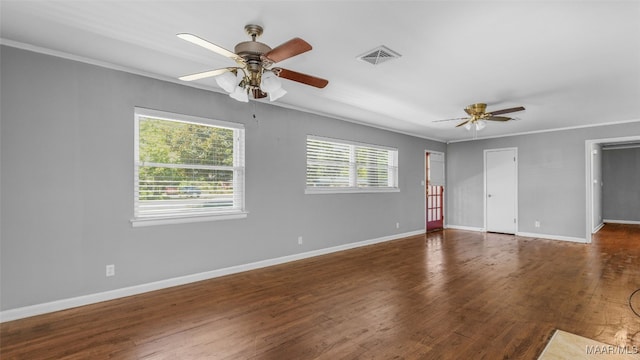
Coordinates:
[444,295]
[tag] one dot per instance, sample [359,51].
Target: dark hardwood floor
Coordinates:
[445,295]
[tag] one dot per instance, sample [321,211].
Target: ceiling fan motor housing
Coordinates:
[251,49]
[251,52]
[477,109]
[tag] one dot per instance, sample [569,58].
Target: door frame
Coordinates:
[425,182]
[484,205]
[589,178]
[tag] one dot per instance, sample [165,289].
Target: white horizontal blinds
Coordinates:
[334,164]
[185,168]
[328,164]
[375,167]
[238,170]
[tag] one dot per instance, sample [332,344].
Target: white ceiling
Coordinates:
[570,63]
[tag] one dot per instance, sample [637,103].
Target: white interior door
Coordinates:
[501,190]
[596,193]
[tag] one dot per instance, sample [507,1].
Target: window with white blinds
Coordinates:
[187,168]
[342,166]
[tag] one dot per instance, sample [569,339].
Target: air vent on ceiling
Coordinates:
[379,55]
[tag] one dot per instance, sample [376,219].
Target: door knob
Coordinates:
[489,195]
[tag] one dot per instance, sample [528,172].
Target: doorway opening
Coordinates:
[595,217]
[434,191]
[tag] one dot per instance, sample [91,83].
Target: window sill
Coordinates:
[314,191]
[189,219]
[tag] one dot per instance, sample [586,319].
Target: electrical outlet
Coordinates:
[111,270]
[397,225]
[299,240]
[537,224]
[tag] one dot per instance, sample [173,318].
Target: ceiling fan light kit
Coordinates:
[479,125]
[228,80]
[272,85]
[254,76]
[239,94]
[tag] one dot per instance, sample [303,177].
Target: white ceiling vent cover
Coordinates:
[379,55]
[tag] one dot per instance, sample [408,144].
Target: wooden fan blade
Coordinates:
[210,46]
[203,75]
[464,122]
[498,118]
[293,47]
[300,77]
[258,94]
[454,119]
[504,111]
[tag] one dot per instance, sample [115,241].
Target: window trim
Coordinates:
[239,166]
[353,175]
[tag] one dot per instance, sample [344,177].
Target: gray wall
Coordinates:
[551,179]
[67,184]
[621,184]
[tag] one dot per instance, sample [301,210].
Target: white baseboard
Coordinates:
[526,234]
[630,222]
[552,237]
[597,228]
[468,228]
[38,309]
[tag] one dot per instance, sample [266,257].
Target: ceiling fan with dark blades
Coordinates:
[478,116]
[254,76]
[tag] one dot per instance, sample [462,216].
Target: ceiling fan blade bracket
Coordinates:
[266,63]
